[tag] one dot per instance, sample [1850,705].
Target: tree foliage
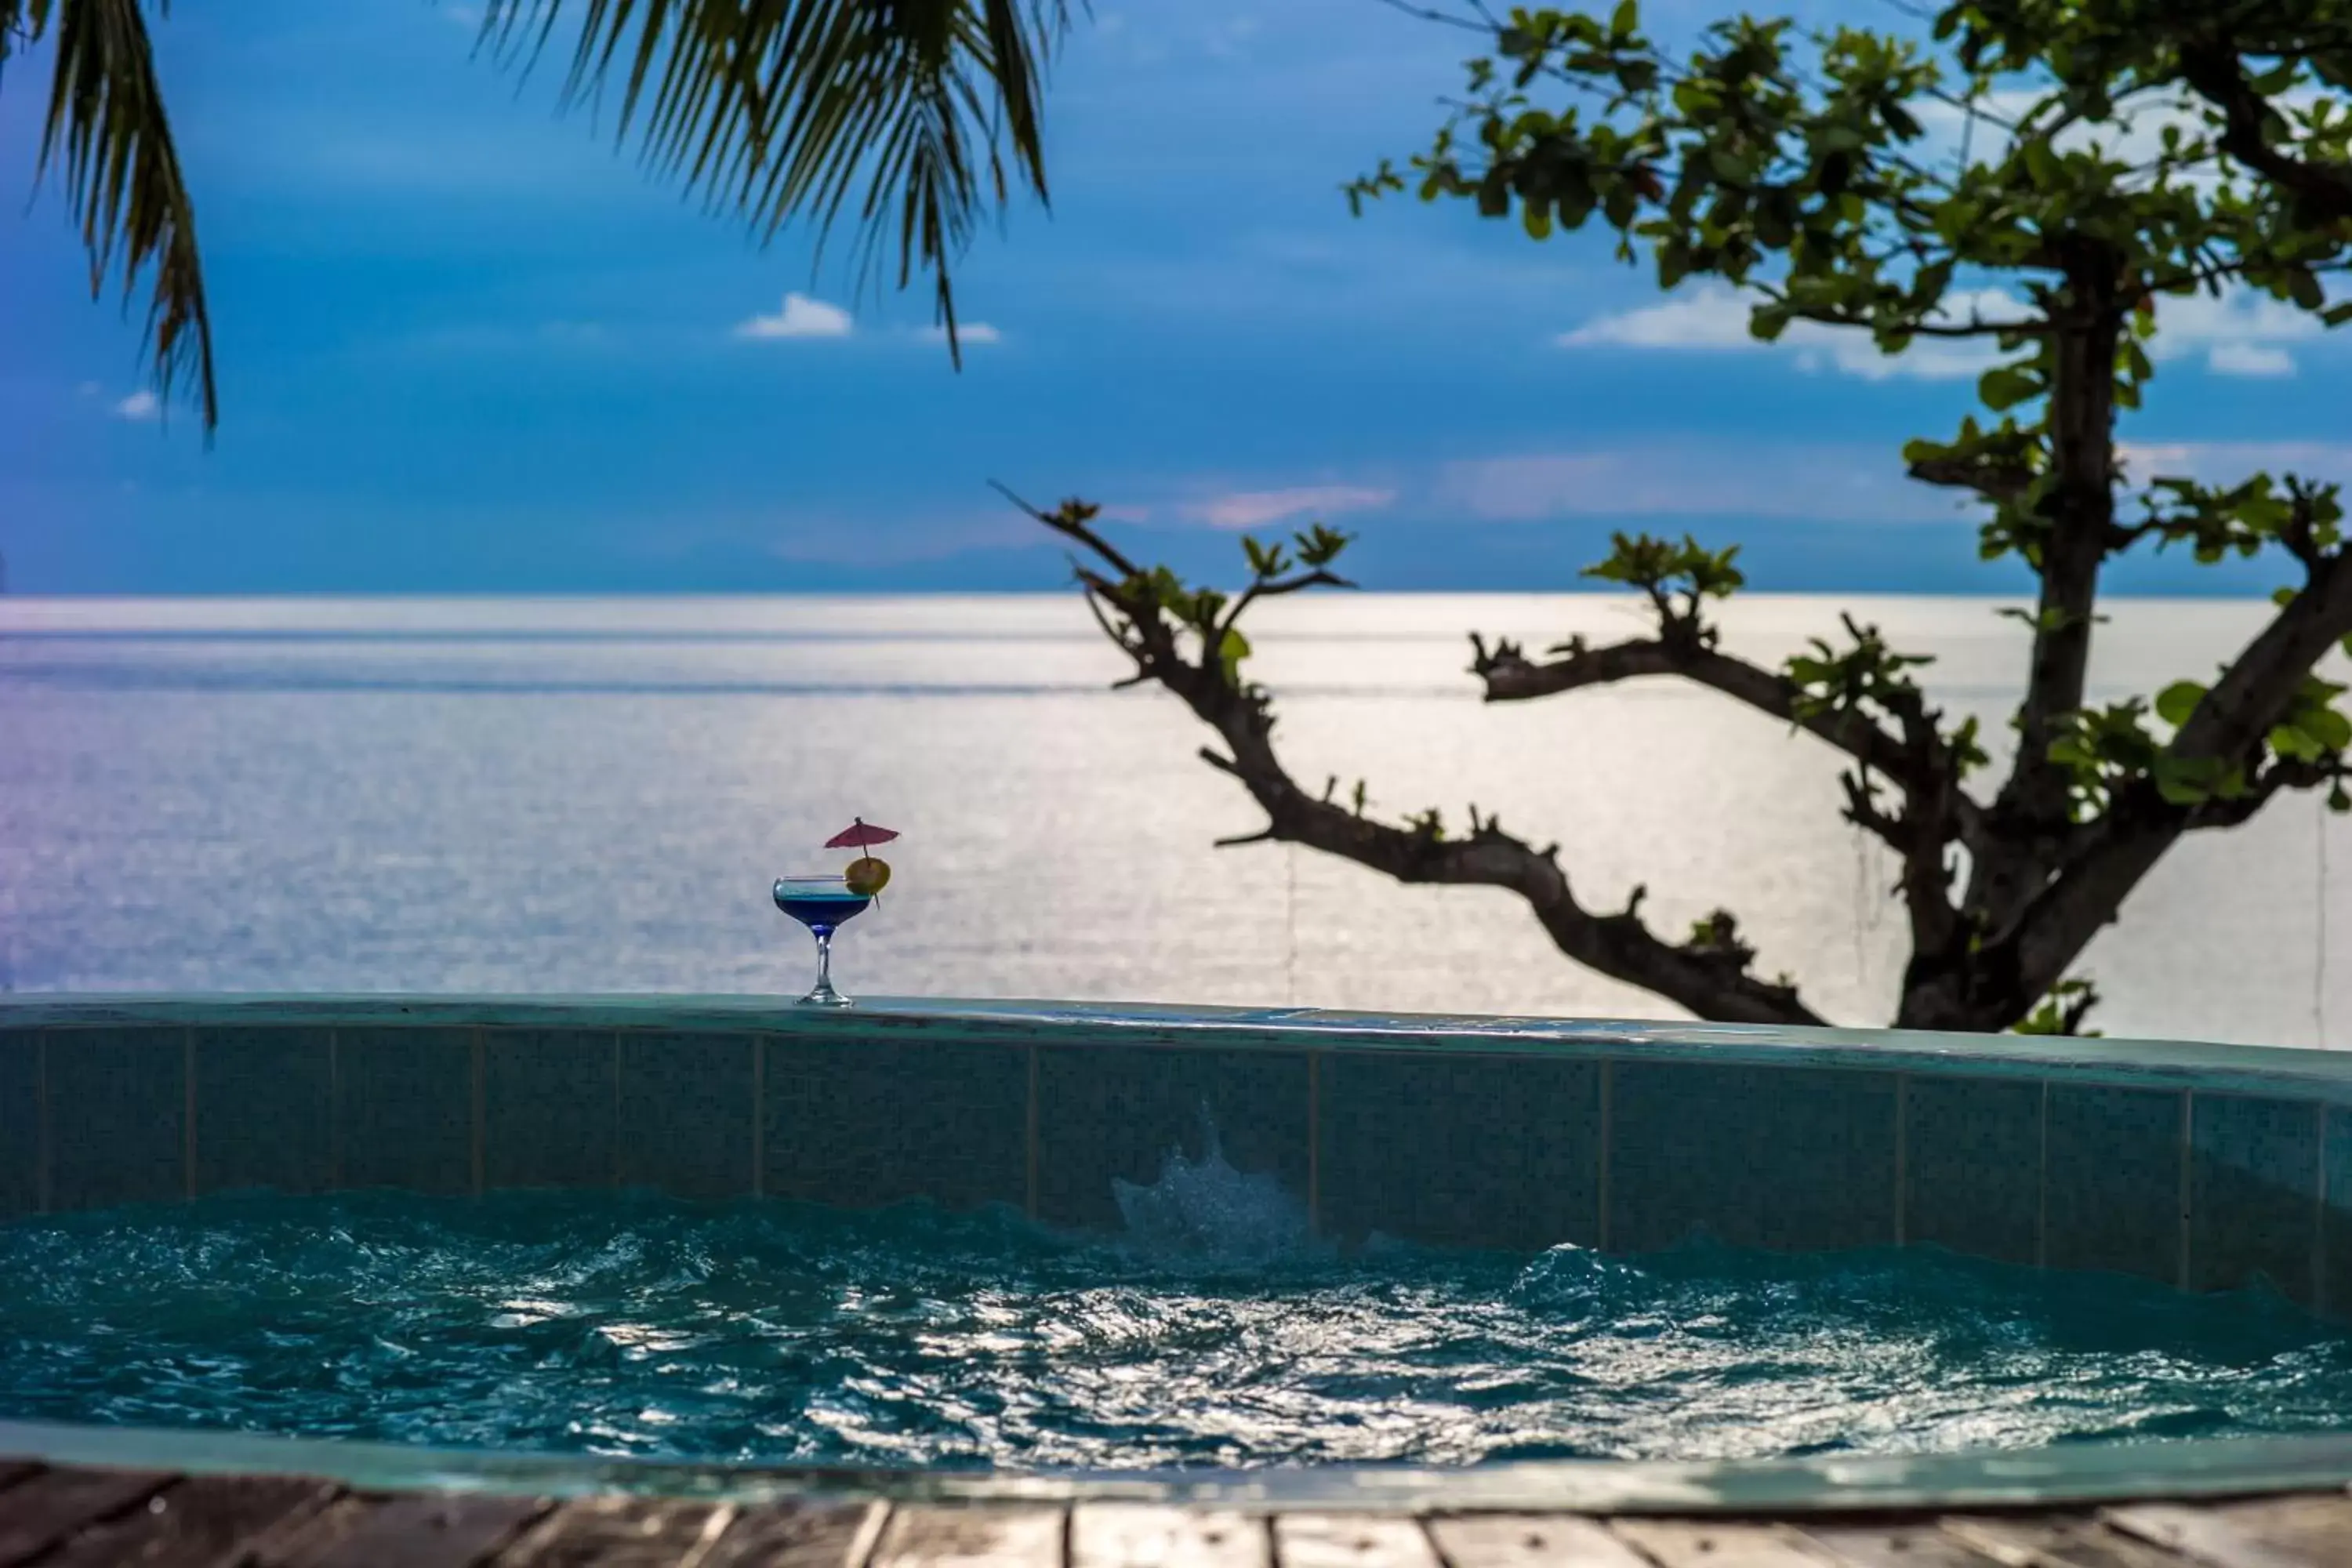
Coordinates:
[917,117]
[2141,151]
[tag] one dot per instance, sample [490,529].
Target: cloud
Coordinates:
[802,317]
[140,405]
[2249,358]
[2239,331]
[1256,509]
[1232,38]
[1714,317]
[2132,134]
[966,332]
[1690,477]
[2229,461]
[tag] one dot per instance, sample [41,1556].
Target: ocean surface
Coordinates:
[594,794]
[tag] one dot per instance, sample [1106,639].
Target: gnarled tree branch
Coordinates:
[2229,725]
[1996,479]
[1707,974]
[2212,70]
[1905,760]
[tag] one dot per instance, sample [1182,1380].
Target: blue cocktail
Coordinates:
[822,904]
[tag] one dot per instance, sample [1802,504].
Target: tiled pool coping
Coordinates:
[2207,1166]
[2225,1068]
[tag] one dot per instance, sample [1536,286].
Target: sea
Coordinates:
[594,794]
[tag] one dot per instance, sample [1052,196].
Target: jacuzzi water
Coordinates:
[1212,1334]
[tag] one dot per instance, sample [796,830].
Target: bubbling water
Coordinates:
[1211,1331]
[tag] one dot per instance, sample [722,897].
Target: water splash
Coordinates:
[1207,1208]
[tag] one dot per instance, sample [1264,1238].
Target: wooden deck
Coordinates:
[55,1517]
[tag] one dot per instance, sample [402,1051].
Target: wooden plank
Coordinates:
[792,1535]
[1691,1543]
[622,1532]
[2042,1541]
[1529,1541]
[1351,1541]
[934,1536]
[15,1470]
[1144,1535]
[195,1523]
[304,1541]
[1916,1543]
[55,1505]
[2211,1536]
[434,1530]
[2316,1524]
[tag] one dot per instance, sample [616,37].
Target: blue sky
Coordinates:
[464,345]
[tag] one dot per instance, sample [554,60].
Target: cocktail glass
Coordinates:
[822,904]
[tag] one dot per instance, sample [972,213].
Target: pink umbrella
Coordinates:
[860,834]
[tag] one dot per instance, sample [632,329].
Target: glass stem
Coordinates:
[824,958]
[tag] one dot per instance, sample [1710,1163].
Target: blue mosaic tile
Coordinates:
[2111,1192]
[404,1109]
[1794,1159]
[1973,1166]
[1460,1151]
[686,1113]
[20,1121]
[862,1122]
[549,1097]
[2253,1194]
[118,1116]
[2336,1218]
[263,1110]
[1108,1113]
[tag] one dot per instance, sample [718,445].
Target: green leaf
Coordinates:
[1231,652]
[2295,745]
[2007,386]
[1627,18]
[2180,786]
[2331,729]
[2178,701]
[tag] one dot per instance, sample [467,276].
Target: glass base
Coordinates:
[825,995]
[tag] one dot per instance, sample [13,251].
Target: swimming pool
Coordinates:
[944,1236]
[636,1325]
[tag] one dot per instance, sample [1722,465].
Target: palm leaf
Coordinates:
[108,134]
[918,112]
[916,115]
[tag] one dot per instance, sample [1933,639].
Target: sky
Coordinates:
[466,346]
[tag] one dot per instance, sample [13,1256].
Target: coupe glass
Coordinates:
[822,904]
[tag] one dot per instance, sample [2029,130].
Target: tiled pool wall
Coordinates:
[1460,1137]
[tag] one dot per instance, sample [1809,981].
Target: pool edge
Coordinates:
[2073,1474]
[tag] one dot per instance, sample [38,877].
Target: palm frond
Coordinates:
[917,115]
[107,134]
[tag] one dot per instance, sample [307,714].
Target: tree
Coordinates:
[2143,150]
[921,113]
